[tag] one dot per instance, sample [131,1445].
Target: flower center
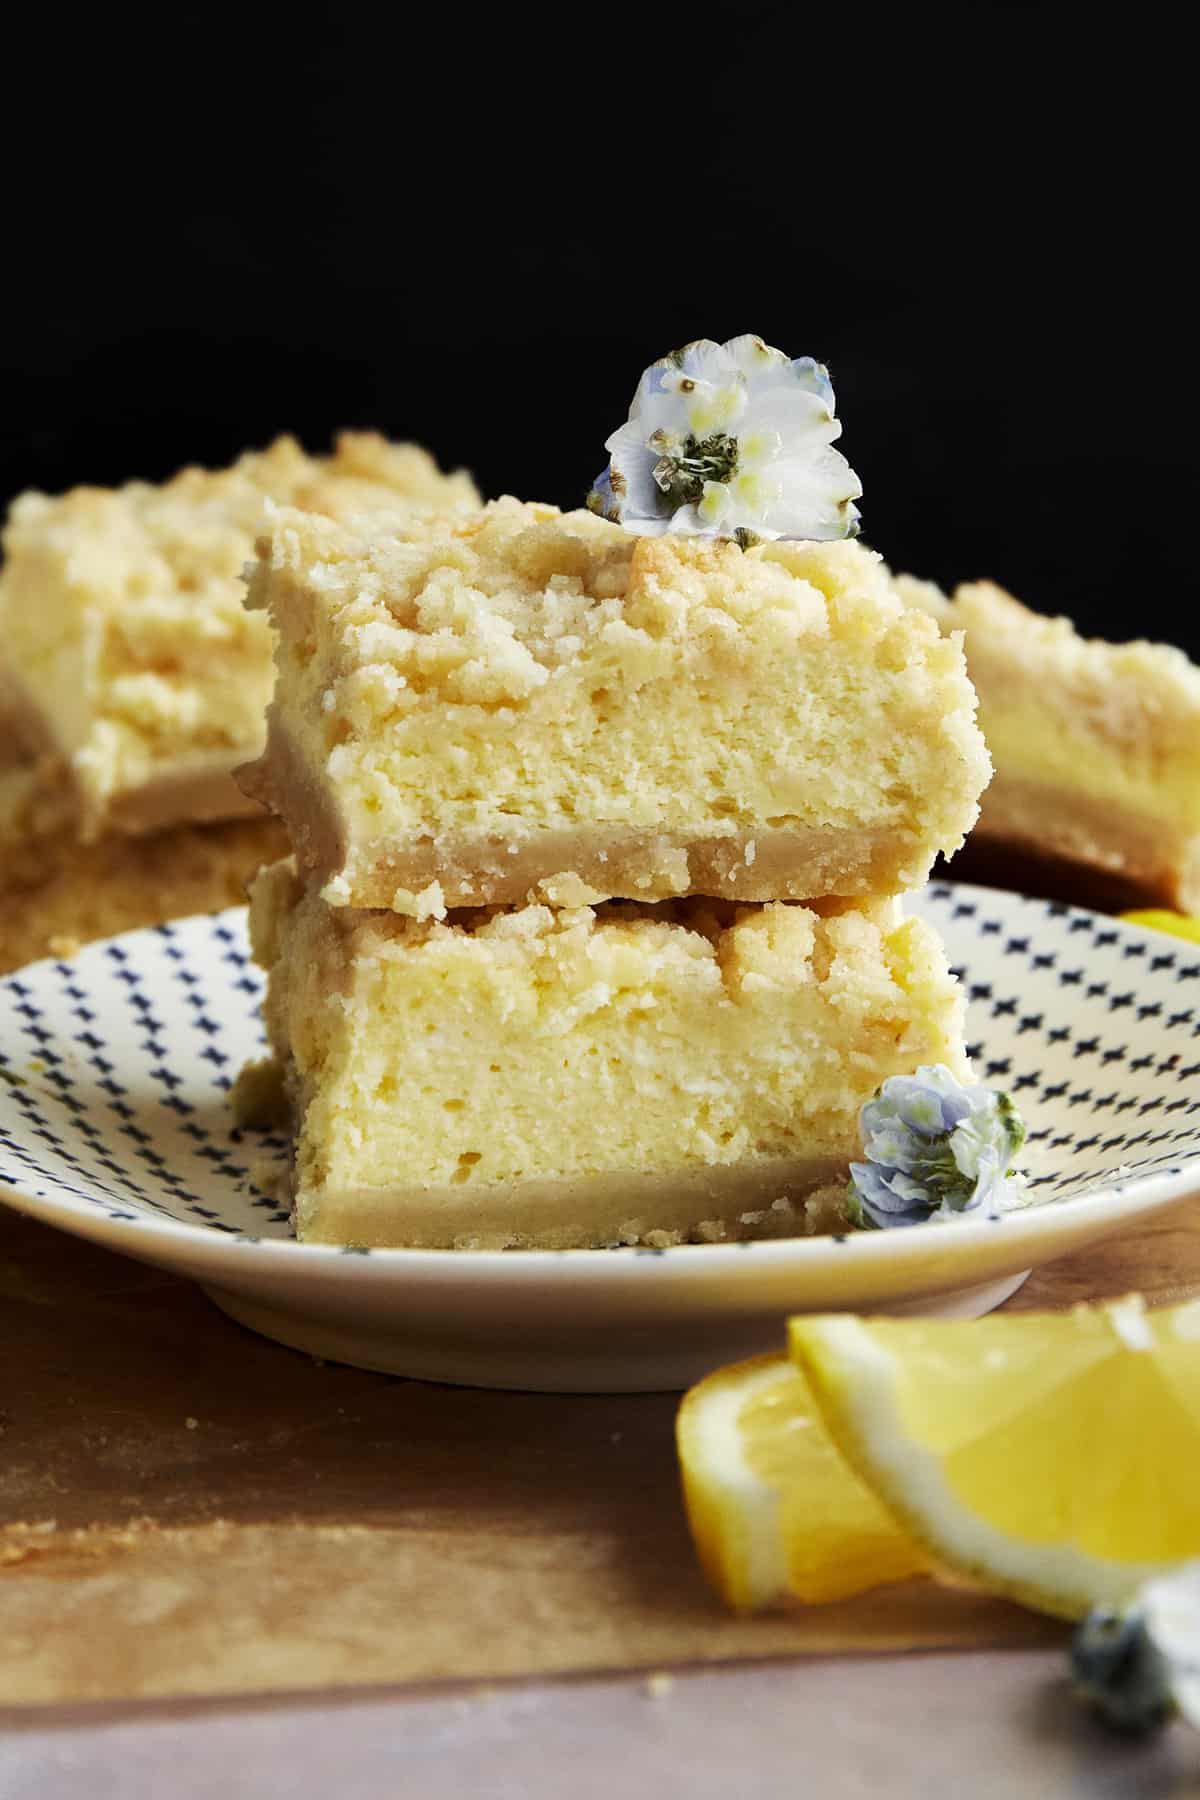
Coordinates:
[682,474]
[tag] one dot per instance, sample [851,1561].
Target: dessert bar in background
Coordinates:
[133,681]
[525,704]
[36,799]
[90,891]
[559,1078]
[134,677]
[1096,748]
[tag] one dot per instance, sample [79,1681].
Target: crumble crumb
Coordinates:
[259,1095]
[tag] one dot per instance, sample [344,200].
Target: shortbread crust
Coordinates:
[131,660]
[533,704]
[1096,746]
[583,1077]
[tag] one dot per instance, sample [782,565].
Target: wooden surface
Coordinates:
[187,1509]
[981,1726]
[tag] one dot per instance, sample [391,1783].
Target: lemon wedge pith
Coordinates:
[774,1511]
[1050,1457]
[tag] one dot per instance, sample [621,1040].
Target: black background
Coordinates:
[475,230]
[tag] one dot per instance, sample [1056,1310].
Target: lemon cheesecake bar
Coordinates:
[1096,745]
[526,704]
[135,679]
[584,1076]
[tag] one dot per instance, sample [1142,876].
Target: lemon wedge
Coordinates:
[1052,1458]
[1184,925]
[774,1510]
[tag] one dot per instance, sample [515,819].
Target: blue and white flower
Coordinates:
[935,1148]
[1170,1606]
[730,440]
[1140,1667]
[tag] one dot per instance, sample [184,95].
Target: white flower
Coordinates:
[1170,1606]
[730,440]
[1140,1666]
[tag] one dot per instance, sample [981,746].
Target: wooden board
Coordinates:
[187,1509]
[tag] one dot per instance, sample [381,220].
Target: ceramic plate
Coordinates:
[114,1125]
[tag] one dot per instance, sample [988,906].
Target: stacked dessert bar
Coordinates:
[592,932]
[133,681]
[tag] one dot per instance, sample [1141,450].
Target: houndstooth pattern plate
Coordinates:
[115,1068]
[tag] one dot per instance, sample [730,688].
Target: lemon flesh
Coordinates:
[1054,1458]
[774,1511]
[1184,925]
